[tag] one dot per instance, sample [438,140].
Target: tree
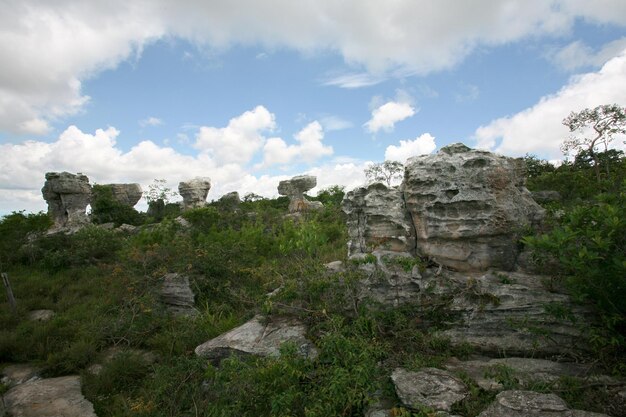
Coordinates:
[158,190]
[592,128]
[386,172]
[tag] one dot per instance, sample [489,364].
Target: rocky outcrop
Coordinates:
[230,200]
[430,387]
[67,196]
[194,192]
[126,194]
[260,336]
[177,295]
[377,219]
[40,315]
[530,404]
[295,189]
[48,397]
[17,374]
[468,207]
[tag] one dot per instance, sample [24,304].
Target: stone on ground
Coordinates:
[531,404]
[40,315]
[430,387]
[177,295]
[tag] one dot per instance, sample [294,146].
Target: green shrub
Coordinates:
[15,230]
[105,209]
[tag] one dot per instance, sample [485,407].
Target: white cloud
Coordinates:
[331,123]
[423,144]
[309,149]
[386,116]
[150,121]
[579,55]
[538,129]
[240,140]
[354,80]
[48,49]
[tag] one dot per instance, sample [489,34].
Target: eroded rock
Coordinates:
[177,295]
[468,207]
[40,315]
[67,196]
[19,373]
[529,404]
[194,192]
[429,387]
[377,219]
[295,189]
[260,336]
[48,397]
[230,200]
[126,194]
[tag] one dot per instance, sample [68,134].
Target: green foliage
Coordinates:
[15,230]
[385,172]
[105,209]
[159,190]
[331,195]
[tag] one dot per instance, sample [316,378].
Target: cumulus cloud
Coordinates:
[150,121]
[578,55]
[309,148]
[48,49]
[240,140]
[386,116]
[538,129]
[423,144]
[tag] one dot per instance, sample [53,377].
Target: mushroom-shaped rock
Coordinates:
[295,189]
[429,387]
[67,196]
[377,219]
[260,336]
[194,192]
[126,194]
[468,207]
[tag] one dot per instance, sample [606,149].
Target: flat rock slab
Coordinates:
[53,397]
[429,387]
[531,404]
[40,315]
[259,336]
[19,373]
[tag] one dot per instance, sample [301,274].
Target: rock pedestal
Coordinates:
[295,189]
[194,192]
[67,196]
[126,194]
[468,207]
[177,295]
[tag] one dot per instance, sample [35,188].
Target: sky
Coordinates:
[250,92]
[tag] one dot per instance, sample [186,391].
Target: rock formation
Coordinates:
[295,189]
[67,196]
[126,194]
[430,387]
[468,207]
[259,336]
[529,404]
[377,219]
[230,200]
[177,294]
[194,192]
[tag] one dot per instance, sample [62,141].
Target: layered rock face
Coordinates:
[67,196]
[295,189]
[377,219]
[126,194]
[194,192]
[468,207]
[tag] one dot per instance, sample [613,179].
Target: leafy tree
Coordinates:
[386,172]
[158,190]
[105,209]
[331,195]
[593,128]
[535,167]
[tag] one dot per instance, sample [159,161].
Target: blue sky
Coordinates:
[249,93]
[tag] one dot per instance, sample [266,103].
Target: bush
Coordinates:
[15,229]
[105,209]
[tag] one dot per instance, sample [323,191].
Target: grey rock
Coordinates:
[19,373]
[67,196]
[183,222]
[126,194]
[546,196]
[128,229]
[177,295]
[48,398]
[194,192]
[295,188]
[335,267]
[429,387]
[529,404]
[377,219]
[230,200]
[40,315]
[260,336]
[468,207]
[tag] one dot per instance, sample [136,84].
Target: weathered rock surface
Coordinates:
[377,219]
[230,200]
[53,397]
[40,315]
[177,294]
[19,373]
[530,404]
[127,194]
[507,314]
[429,387]
[260,336]
[67,196]
[295,189]
[468,207]
[194,192]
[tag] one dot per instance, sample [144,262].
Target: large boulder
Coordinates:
[295,189]
[530,404]
[377,219]
[430,387]
[126,194]
[67,196]
[468,207]
[194,192]
[260,336]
